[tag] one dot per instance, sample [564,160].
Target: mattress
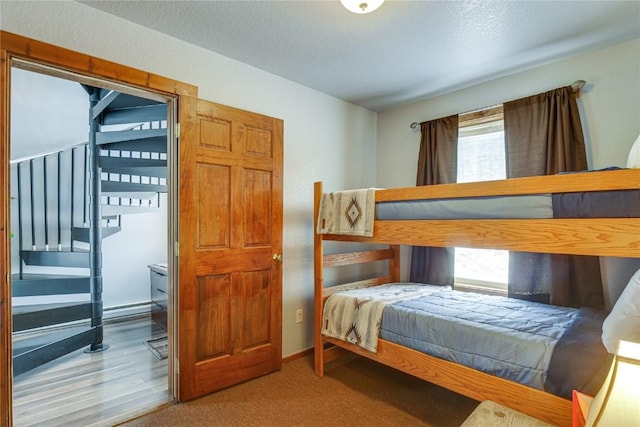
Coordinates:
[506,337]
[526,342]
[595,204]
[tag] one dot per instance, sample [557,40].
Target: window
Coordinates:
[481,157]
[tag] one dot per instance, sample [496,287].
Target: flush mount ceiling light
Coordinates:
[361,6]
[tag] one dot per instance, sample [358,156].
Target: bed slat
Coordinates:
[335,260]
[626,179]
[469,382]
[588,236]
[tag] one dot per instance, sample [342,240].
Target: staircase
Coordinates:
[65,203]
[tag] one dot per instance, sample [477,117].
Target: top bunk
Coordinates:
[609,234]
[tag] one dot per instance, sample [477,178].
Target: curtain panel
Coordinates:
[437,164]
[543,136]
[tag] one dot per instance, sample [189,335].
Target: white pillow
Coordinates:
[623,323]
[633,161]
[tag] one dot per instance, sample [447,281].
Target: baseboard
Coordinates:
[297,355]
[126,310]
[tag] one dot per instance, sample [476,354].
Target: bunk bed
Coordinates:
[599,234]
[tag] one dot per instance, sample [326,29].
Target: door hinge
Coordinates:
[176,249]
[176,366]
[177,130]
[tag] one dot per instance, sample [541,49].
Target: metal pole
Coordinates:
[84,186]
[59,207]
[46,205]
[20,219]
[33,221]
[95,231]
[73,175]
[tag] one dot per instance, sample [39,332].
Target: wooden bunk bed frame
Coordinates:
[618,237]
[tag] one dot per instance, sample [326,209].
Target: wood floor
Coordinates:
[100,389]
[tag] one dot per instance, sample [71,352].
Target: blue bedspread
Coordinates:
[580,360]
[509,338]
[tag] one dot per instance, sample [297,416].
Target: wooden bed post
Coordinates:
[318,251]
[394,263]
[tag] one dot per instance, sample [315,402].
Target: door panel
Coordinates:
[257,201]
[214,207]
[214,338]
[230,228]
[257,301]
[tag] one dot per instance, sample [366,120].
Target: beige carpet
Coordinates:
[354,392]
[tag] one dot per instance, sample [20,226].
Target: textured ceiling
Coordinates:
[403,52]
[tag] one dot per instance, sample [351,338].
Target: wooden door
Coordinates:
[230,290]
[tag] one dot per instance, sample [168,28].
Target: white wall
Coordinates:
[610,111]
[126,256]
[43,127]
[324,138]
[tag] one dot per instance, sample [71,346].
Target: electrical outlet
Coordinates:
[299,315]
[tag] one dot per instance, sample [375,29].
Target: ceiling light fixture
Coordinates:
[361,6]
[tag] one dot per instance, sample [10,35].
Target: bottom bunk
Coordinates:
[523,355]
[522,341]
[486,347]
[524,358]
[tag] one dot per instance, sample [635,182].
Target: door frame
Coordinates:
[15,47]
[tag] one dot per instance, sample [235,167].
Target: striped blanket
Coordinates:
[355,315]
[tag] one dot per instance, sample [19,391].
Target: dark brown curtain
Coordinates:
[543,136]
[436,165]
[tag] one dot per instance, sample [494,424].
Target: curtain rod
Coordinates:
[576,86]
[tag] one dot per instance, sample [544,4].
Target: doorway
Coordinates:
[123,370]
[229,253]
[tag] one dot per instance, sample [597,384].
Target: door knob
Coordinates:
[277,257]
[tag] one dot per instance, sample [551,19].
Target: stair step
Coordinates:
[144,146]
[111,164]
[132,109]
[54,258]
[125,101]
[48,284]
[109,186]
[30,353]
[127,167]
[38,315]
[134,195]
[81,234]
[151,171]
[129,210]
[156,135]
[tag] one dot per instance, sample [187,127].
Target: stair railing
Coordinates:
[41,202]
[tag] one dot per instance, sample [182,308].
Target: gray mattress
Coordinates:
[509,338]
[597,204]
